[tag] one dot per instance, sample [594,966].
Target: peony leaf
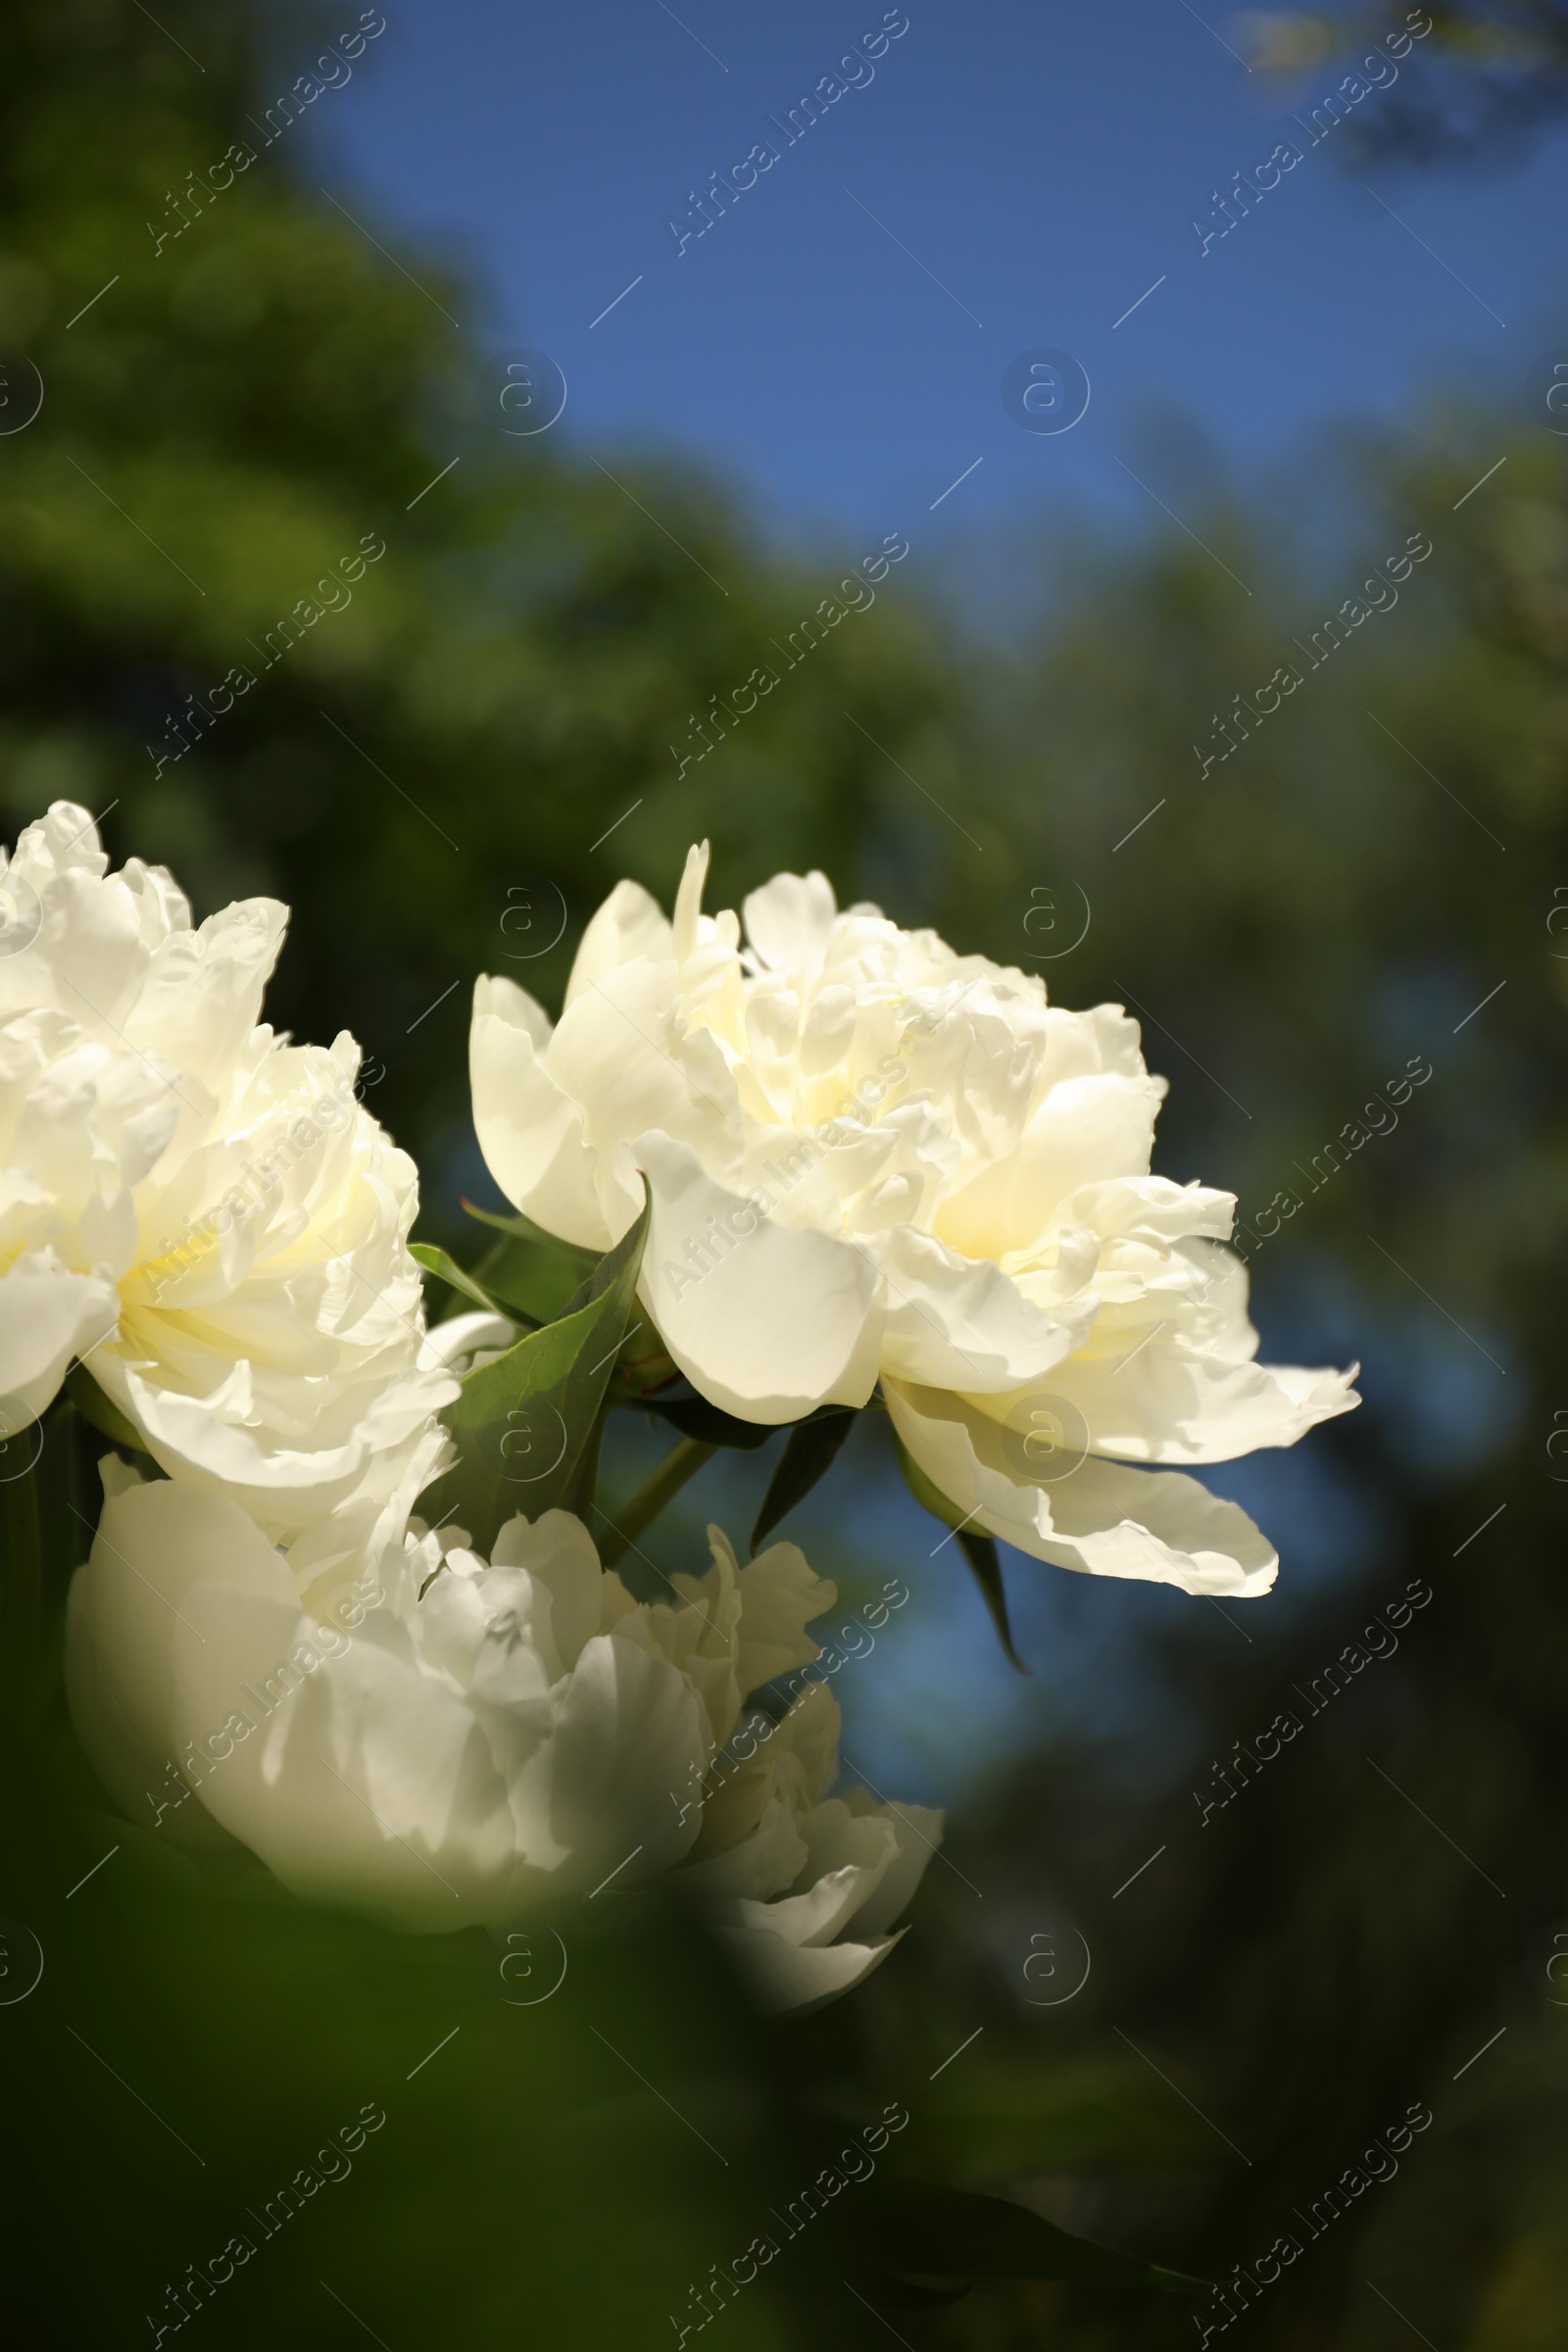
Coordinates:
[526,1425]
[981,1554]
[810,1455]
[101,1411]
[446,1269]
[935,2234]
[980,1550]
[530,1271]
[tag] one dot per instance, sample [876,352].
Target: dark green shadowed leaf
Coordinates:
[978,1549]
[810,1455]
[707,1423]
[981,1554]
[101,1410]
[446,1269]
[526,1425]
[935,2234]
[530,1271]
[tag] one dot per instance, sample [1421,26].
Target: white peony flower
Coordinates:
[806,1885]
[442,1740]
[201,1211]
[868,1156]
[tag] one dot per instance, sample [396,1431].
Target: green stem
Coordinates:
[683,1461]
[23,1596]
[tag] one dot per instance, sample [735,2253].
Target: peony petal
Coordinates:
[530,1132]
[628,928]
[47,1317]
[961,1323]
[1101,1517]
[1190,1392]
[764,1321]
[790,920]
[798,1978]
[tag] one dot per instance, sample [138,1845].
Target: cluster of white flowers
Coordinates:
[868,1164]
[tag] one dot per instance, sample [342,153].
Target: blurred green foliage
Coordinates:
[224,425]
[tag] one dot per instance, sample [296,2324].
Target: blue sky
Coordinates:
[1032,168]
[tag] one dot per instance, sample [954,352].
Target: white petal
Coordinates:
[1103,1518]
[217,1441]
[530,1132]
[917,1830]
[559,1553]
[961,1323]
[47,1317]
[686,928]
[796,1976]
[790,919]
[630,1734]
[780,1593]
[154,1542]
[629,927]
[1191,1392]
[780,1321]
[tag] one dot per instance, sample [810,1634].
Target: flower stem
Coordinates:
[683,1461]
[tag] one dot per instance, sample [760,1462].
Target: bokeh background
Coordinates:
[445,775]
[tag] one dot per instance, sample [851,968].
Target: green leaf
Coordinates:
[527,1424]
[937,2233]
[532,1272]
[981,1554]
[101,1410]
[696,1418]
[979,1551]
[446,1269]
[811,1452]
